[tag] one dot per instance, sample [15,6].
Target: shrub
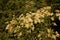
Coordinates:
[33,26]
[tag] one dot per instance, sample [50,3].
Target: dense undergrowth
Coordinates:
[29,19]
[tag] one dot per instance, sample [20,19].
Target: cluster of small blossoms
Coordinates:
[58,14]
[27,21]
[35,18]
[10,27]
[49,31]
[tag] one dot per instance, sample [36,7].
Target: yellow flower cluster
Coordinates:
[53,35]
[58,14]
[49,33]
[10,27]
[29,20]
[36,17]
